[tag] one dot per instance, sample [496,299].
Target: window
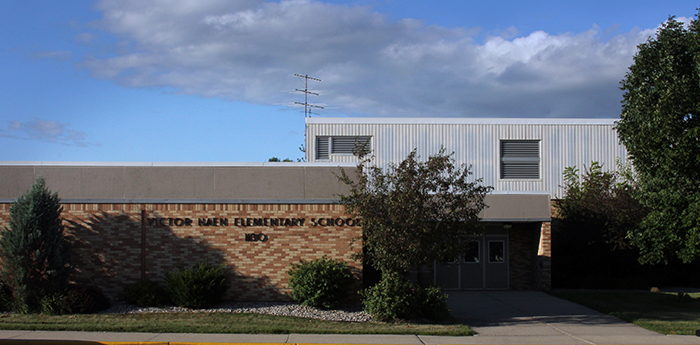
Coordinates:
[472,255]
[496,251]
[520,159]
[327,145]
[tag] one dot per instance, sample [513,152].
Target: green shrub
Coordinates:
[396,298]
[34,252]
[146,293]
[392,298]
[75,300]
[85,300]
[53,305]
[434,304]
[5,297]
[197,287]
[322,283]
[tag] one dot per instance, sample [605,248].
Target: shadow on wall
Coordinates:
[109,252]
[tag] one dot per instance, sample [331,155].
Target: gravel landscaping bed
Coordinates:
[351,313]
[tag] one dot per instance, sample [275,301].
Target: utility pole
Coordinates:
[307,106]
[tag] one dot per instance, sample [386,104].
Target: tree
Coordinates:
[34,251]
[595,216]
[275,159]
[660,127]
[601,201]
[414,213]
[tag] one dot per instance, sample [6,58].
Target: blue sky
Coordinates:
[212,80]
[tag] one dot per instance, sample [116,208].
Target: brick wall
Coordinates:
[544,258]
[109,252]
[522,241]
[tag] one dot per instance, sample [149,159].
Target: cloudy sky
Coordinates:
[213,80]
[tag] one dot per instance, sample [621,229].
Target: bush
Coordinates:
[396,298]
[5,297]
[53,305]
[146,293]
[434,304]
[197,287]
[85,300]
[322,283]
[75,300]
[34,252]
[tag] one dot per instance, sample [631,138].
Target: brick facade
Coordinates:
[523,238]
[544,258]
[109,252]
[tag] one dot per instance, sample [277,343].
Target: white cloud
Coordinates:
[49,131]
[370,65]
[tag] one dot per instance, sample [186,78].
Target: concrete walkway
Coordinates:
[533,317]
[502,317]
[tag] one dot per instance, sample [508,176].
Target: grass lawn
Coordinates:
[660,312]
[218,323]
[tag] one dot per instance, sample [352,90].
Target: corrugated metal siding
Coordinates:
[562,145]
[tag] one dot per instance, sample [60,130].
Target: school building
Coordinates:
[131,221]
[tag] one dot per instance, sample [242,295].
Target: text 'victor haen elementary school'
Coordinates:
[132,221]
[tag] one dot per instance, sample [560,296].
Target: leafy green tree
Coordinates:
[34,251]
[601,201]
[275,159]
[660,127]
[595,215]
[415,212]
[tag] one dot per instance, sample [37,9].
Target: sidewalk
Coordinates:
[533,317]
[524,335]
[499,317]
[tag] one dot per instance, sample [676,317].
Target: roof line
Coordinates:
[461,120]
[182,164]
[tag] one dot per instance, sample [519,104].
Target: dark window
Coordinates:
[497,251]
[472,253]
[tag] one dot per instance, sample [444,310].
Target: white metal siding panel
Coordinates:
[478,144]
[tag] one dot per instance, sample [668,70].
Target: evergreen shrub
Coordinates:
[34,252]
[197,287]
[322,283]
[146,293]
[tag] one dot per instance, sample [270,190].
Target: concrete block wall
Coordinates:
[108,250]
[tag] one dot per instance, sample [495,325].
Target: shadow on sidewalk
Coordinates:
[499,308]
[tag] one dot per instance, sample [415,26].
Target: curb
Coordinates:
[88,342]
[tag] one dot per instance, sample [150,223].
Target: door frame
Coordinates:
[493,232]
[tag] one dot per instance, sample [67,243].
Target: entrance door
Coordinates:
[496,263]
[472,265]
[483,265]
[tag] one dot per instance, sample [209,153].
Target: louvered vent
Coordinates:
[349,144]
[326,145]
[322,146]
[520,159]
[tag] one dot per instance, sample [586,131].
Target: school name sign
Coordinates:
[254,222]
